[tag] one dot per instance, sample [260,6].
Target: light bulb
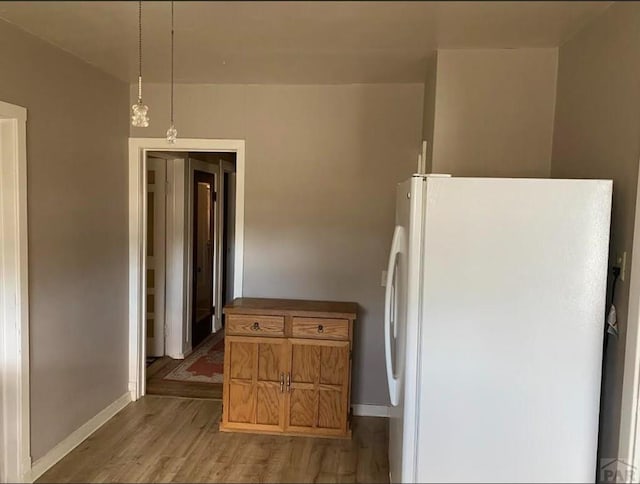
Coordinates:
[139,116]
[172,134]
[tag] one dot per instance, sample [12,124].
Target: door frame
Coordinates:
[226,169]
[15,439]
[213,168]
[138,148]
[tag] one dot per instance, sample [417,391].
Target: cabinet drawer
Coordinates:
[255,325]
[320,328]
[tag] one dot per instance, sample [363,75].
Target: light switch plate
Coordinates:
[383,279]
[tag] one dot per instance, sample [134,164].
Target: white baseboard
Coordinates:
[44,463]
[360,410]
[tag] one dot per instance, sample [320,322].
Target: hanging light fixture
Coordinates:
[172,132]
[139,111]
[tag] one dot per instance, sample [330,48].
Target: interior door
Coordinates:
[203,252]
[255,379]
[156,225]
[318,386]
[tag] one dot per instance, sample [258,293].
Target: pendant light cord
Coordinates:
[172,62]
[139,50]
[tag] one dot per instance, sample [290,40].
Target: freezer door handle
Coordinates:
[390,312]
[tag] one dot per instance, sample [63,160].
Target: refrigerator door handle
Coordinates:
[390,308]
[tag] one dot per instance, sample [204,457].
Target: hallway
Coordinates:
[167,439]
[196,382]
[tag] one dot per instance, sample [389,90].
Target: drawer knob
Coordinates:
[320,328]
[255,326]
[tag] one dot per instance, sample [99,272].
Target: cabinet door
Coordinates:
[254,383]
[318,395]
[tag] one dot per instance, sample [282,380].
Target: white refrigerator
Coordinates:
[494,324]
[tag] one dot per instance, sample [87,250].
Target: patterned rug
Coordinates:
[204,365]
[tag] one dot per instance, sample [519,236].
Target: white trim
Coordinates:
[627,444]
[238,263]
[13,111]
[137,228]
[15,440]
[364,410]
[229,168]
[56,454]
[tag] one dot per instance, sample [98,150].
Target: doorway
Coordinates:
[202,266]
[138,150]
[187,256]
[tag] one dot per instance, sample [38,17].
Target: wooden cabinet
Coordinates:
[254,382]
[319,388]
[320,328]
[288,367]
[256,325]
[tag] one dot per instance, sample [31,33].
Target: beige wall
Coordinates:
[597,135]
[429,108]
[494,112]
[77,209]
[322,163]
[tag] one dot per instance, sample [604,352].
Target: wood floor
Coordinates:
[167,439]
[156,385]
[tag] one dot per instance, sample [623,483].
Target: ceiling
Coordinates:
[292,42]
